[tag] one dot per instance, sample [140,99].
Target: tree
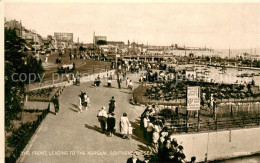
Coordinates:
[207,58]
[16,62]
[81,48]
[102,42]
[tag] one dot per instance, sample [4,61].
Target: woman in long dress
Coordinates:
[124,125]
[80,104]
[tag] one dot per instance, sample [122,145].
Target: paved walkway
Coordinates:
[80,132]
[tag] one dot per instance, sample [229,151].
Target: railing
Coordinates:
[183,125]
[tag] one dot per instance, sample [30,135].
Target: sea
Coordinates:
[250,159]
[234,52]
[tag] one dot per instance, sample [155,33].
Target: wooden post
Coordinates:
[187,113]
[231,110]
[198,124]
[258,115]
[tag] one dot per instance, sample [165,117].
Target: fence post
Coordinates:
[198,125]
[187,113]
[216,124]
[231,110]
[258,115]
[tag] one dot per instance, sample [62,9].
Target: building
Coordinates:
[119,44]
[14,24]
[98,38]
[63,37]
[63,40]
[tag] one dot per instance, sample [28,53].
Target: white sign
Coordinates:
[193,98]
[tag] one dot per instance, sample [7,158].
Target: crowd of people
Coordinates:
[158,136]
[78,55]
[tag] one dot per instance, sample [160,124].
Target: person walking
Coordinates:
[80,104]
[124,75]
[82,96]
[102,118]
[145,122]
[86,101]
[112,105]
[111,122]
[127,82]
[124,125]
[130,85]
[56,104]
[119,82]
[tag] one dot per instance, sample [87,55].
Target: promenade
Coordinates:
[58,137]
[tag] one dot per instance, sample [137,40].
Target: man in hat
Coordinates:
[112,105]
[147,159]
[134,158]
[119,82]
[102,118]
[82,94]
[55,101]
[111,123]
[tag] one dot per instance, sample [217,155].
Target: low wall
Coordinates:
[221,144]
[82,80]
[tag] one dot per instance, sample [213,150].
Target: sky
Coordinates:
[217,26]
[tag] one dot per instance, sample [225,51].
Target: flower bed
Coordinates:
[172,90]
[140,98]
[45,94]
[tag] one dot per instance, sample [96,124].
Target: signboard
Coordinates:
[193,98]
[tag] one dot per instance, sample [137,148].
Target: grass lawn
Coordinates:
[25,117]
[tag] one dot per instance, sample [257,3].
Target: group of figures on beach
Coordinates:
[108,122]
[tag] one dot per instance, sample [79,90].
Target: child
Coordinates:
[130,132]
[86,101]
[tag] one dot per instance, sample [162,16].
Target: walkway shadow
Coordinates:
[98,129]
[137,132]
[126,92]
[74,105]
[74,110]
[109,87]
[93,86]
[95,128]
